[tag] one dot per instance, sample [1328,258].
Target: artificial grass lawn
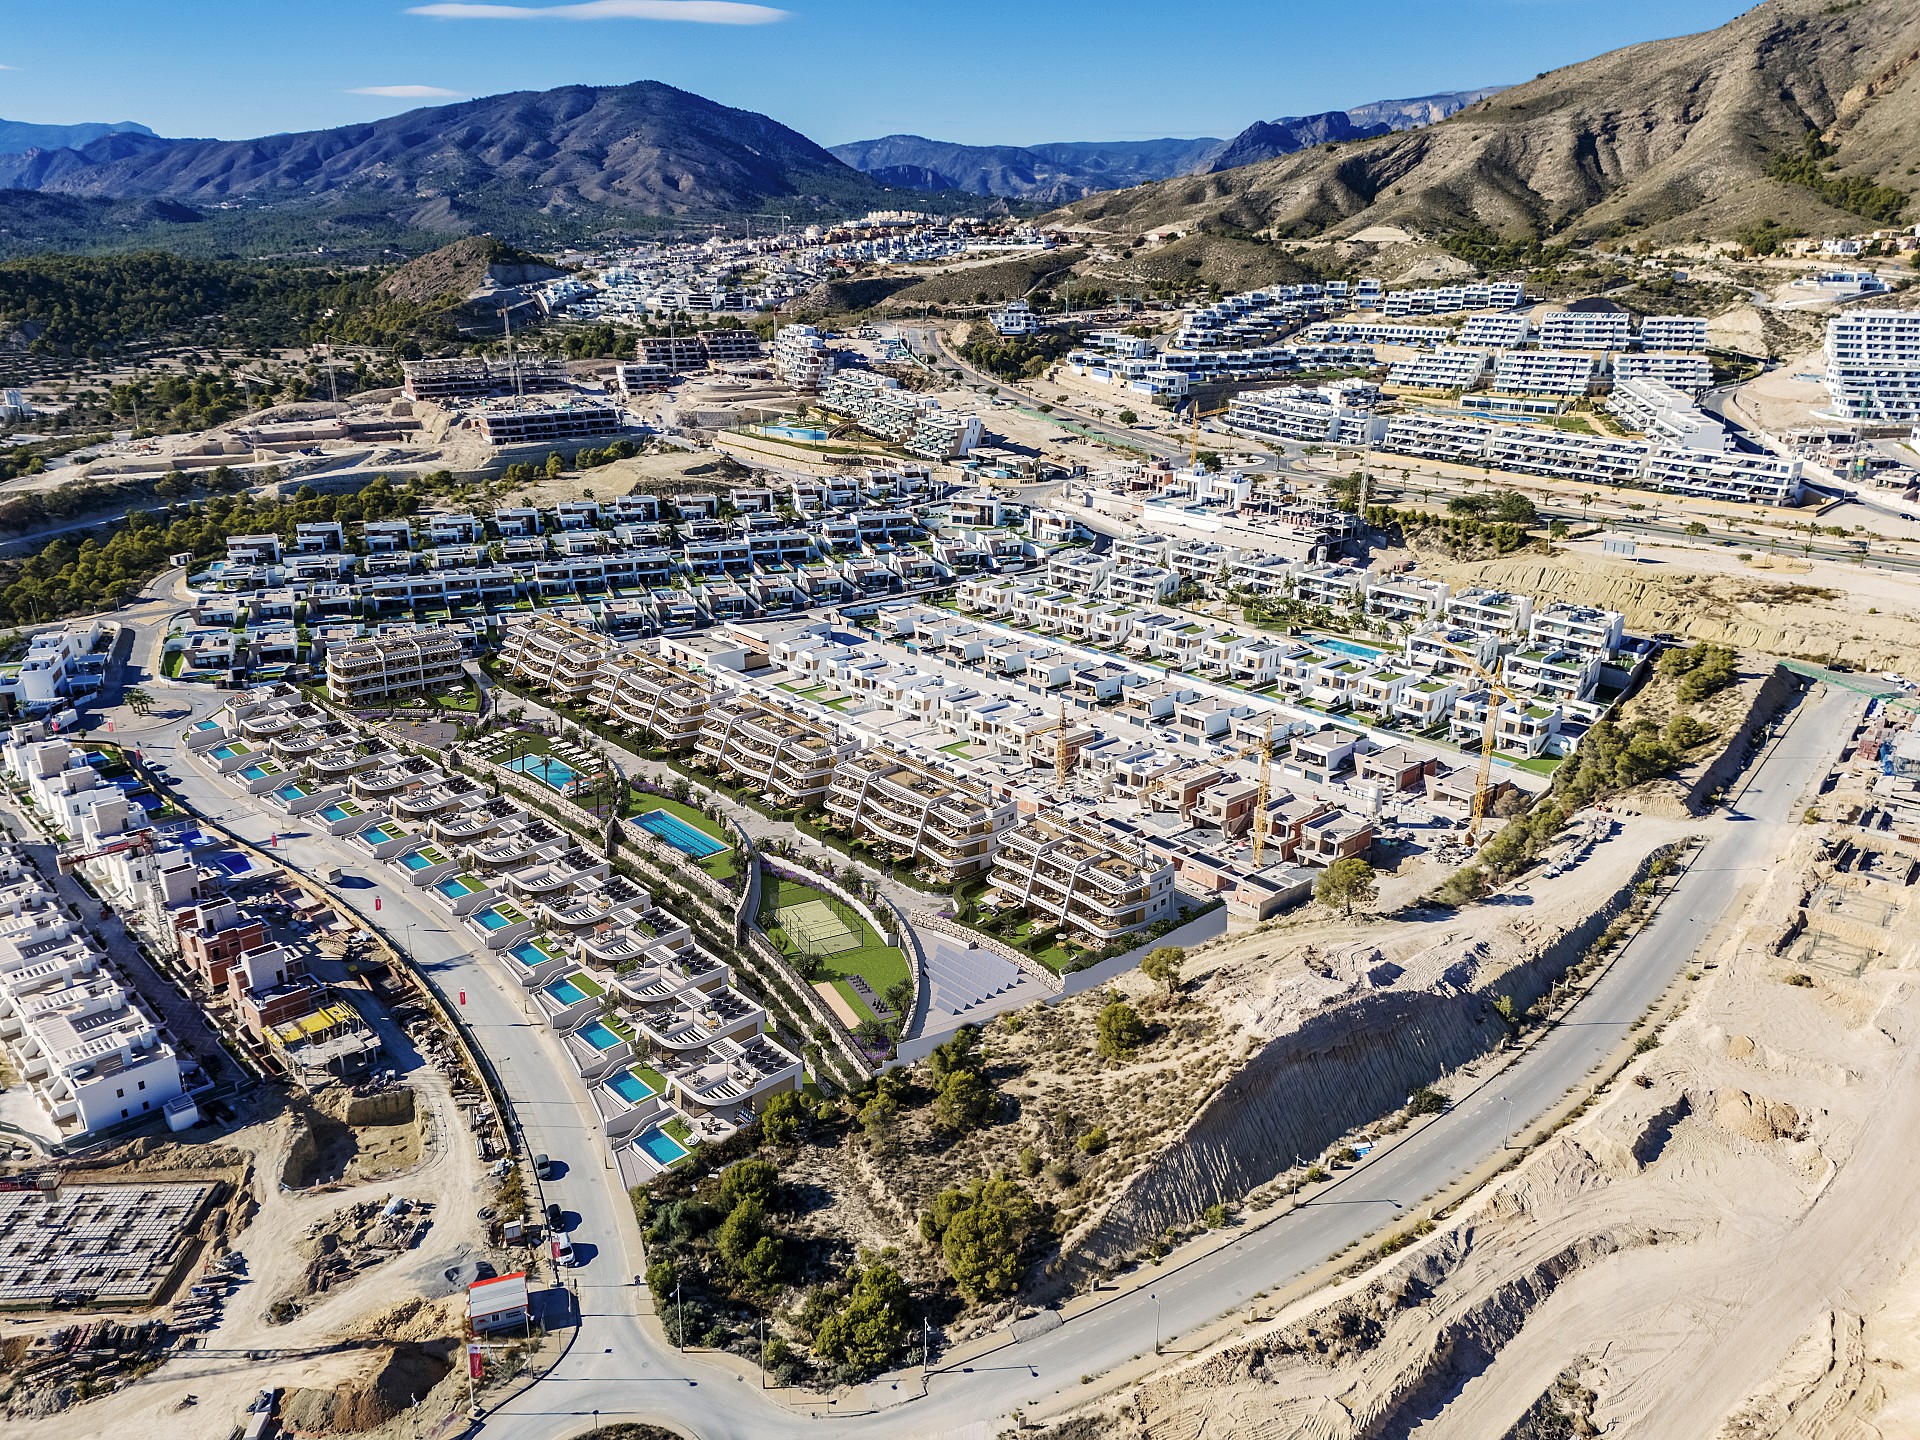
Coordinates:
[652,1076]
[881,966]
[721,866]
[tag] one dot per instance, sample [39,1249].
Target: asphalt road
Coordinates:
[617,1372]
[618,1367]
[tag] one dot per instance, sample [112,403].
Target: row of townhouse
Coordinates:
[1449,299]
[1265,362]
[1713,473]
[649,1019]
[1145,375]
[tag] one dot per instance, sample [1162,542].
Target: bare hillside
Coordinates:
[1675,135]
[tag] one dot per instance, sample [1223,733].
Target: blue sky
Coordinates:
[978,71]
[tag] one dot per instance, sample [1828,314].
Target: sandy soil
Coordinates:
[1722,1247]
[1778,606]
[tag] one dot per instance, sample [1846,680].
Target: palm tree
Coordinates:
[138,701]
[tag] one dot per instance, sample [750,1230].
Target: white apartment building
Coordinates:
[1406,598]
[1664,414]
[1333,584]
[1553,674]
[1725,475]
[785,755]
[1543,372]
[1491,612]
[546,421]
[1337,414]
[1673,332]
[801,358]
[1141,584]
[88,1051]
[1496,332]
[1016,317]
[1082,877]
[947,826]
[383,668]
[1586,330]
[1377,332]
[1449,368]
[1873,366]
[1583,629]
[1691,373]
[1443,648]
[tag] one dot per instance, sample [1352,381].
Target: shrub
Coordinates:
[783,1119]
[1094,1141]
[869,1328]
[1120,1030]
[749,1180]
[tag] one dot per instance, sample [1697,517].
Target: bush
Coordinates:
[749,1180]
[1094,1141]
[1120,1030]
[1426,1101]
[983,1232]
[869,1328]
[783,1119]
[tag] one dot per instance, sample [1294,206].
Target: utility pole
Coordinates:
[680,1307]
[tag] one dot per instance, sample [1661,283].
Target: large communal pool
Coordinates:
[679,834]
[556,773]
[630,1087]
[794,432]
[599,1035]
[1348,647]
[661,1148]
[566,992]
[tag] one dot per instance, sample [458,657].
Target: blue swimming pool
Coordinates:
[378,835]
[599,1036]
[661,1148]
[630,1087]
[453,887]
[556,773]
[233,864]
[1348,647]
[566,992]
[335,812]
[679,834]
[795,432]
[528,953]
[492,919]
[226,752]
[256,772]
[414,860]
[290,793]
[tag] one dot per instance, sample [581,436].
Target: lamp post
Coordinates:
[680,1310]
[1156,1321]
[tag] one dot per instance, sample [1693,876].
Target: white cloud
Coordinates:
[406,92]
[696,12]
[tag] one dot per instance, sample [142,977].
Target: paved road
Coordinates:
[618,1372]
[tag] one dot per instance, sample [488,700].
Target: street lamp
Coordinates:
[681,1310]
[1156,1321]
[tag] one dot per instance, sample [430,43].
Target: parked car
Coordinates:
[555,1217]
[543,1167]
[562,1250]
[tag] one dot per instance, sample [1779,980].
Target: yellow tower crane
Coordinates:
[1060,752]
[1260,800]
[1499,697]
[1193,453]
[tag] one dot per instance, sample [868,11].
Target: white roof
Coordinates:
[494,1297]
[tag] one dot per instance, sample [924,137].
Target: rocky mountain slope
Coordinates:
[1052,174]
[1270,139]
[644,148]
[1703,134]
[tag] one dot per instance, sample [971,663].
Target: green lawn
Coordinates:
[1541,764]
[467,701]
[652,1076]
[880,965]
[958,747]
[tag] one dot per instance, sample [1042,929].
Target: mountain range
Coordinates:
[644,148]
[18,136]
[1058,173]
[1796,115]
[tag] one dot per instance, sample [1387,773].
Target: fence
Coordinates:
[901,934]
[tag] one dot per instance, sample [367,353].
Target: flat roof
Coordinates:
[503,1292]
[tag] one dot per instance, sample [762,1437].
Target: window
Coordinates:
[143,1084]
[123,1112]
[120,1095]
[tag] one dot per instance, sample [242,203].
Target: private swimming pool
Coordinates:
[599,1036]
[453,887]
[556,773]
[416,860]
[256,772]
[290,793]
[630,1087]
[528,953]
[566,992]
[231,752]
[337,812]
[491,919]
[679,834]
[661,1148]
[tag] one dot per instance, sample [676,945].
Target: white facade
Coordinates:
[1586,329]
[1450,368]
[1544,372]
[1329,415]
[1873,366]
[1692,373]
[1673,332]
